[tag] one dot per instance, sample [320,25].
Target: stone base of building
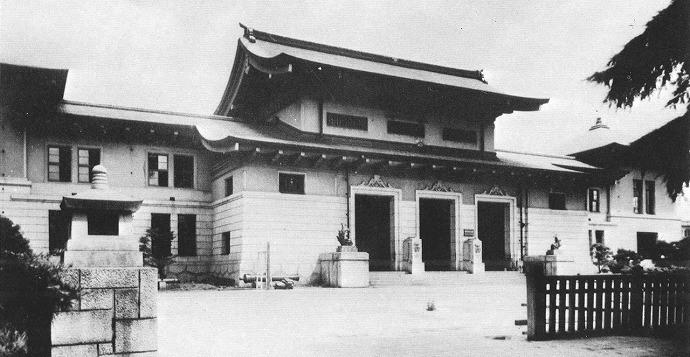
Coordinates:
[345,269]
[115,313]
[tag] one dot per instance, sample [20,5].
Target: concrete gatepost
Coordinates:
[472,256]
[412,256]
[115,313]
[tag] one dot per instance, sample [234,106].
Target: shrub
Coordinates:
[11,239]
[12,343]
[155,246]
[624,261]
[601,256]
[33,287]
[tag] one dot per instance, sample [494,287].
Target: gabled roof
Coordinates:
[275,55]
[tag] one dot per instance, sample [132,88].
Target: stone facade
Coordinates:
[115,314]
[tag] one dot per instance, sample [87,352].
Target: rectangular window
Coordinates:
[291,183]
[460,135]
[646,244]
[347,121]
[160,223]
[60,163]
[158,170]
[557,200]
[184,171]
[88,158]
[637,196]
[649,197]
[593,200]
[599,236]
[225,243]
[58,224]
[186,235]
[406,128]
[228,186]
[103,223]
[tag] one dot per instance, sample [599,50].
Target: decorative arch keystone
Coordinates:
[376,181]
[437,187]
[495,191]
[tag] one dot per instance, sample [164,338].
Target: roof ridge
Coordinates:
[146,110]
[538,154]
[252,35]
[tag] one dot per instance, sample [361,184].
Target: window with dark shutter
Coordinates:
[460,136]
[184,171]
[557,200]
[88,158]
[158,170]
[160,222]
[228,186]
[58,225]
[291,183]
[593,200]
[225,243]
[186,235]
[347,121]
[649,197]
[406,128]
[60,163]
[637,196]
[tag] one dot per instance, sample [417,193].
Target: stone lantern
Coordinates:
[101,232]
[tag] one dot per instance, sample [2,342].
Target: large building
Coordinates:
[308,138]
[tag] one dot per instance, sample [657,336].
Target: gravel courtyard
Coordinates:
[472,317]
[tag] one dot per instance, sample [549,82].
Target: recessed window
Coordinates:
[646,244]
[593,200]
[347,121]
[291,183]
[649,197]
[599,236]
[460,136]
[186,234]
[637,196]
[88,158]
[103,223]
[557,200]
[160,223]
[228,186]
[225,243]
[406,128]
[58,224]
[184,171]
[60,163]
[158,170]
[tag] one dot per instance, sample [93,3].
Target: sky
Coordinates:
[177,55]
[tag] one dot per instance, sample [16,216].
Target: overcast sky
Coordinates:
[177,55]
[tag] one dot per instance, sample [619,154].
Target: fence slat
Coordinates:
[561,304]
[625,303]
[571,304]
[663,297]
[552,306]
[581,304]
[616,321]
[607,297]
[590,304]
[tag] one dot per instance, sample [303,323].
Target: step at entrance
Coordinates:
[440,278]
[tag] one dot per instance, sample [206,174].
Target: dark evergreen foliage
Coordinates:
[657,58]
[155,246]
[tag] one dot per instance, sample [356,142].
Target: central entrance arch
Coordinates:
[438,226]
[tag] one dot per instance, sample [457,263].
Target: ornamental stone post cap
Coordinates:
[100,177]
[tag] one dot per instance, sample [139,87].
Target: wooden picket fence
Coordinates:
[593,305]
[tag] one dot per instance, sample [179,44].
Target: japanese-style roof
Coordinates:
[224,136]
[275,55]
[31,88]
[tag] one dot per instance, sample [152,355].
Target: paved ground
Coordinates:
[472,318]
